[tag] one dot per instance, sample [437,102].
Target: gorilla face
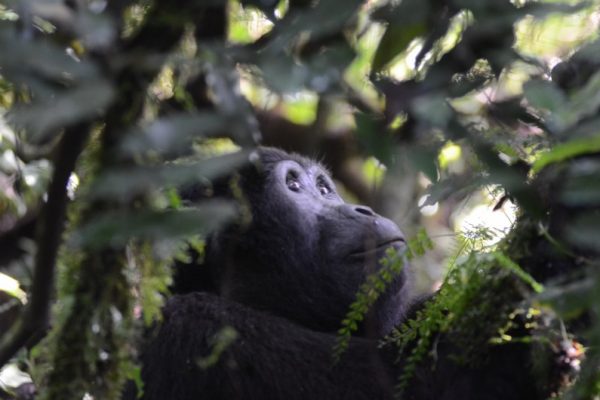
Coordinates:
[305,252]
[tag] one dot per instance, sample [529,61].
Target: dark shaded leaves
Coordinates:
[40,59]
[325,18]
[454,186]
[127,183]
[544,94]
[320,72]
[585,231]
[172,135]
[115,228]
[569,300]
[394,41]
[48,116]
[374,137]
[582,187]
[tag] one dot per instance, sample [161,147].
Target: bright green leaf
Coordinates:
[565,151]
[394,41]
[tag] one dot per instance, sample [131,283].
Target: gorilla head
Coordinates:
[304,252]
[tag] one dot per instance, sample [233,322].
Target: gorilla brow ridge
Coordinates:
[270,156]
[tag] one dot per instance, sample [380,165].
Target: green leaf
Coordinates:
[565,151]
[325,18]
[585,231]
[509,264]
[544,94]
[425,160]
[46,117]
[542,10]
[266,6]
[42,59]
[134,374]
[374,137]
[224,338]
[584,103]
[125,184]
[394,41]
[455,186]
[115,228]
[223,81]
[320,72]
[582,188]
[433,109]
[570,300]
[174,134]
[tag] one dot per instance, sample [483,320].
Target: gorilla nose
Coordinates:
[365,211]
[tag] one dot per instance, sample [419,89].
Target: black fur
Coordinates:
[284,280]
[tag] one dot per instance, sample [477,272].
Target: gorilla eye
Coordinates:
[323,187]
[292,182]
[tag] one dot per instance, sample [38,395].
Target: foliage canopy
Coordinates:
[107,109]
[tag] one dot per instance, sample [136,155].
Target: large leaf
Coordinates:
[434,109]
[40,58]
[394,41]
[325,18]
[425,160]
[374,137]
[585,231]
[174,134]
[125,184]
[266,6]
[406,21]
[223,80]
[116,228]
[582,187]
[544,94]
[95,30]
[565,151]
[583,104]
[320,73]
[569,300]
[43,118]
[454,186]
[542,10]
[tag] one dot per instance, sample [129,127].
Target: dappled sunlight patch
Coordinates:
[11,286]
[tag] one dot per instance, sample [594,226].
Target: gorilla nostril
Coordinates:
[365,211]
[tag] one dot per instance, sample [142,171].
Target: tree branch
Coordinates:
[49,233]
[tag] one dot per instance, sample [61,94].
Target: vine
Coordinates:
[375,285]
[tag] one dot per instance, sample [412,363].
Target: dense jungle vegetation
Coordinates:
[477,120]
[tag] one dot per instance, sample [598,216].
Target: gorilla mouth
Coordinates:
[379,247]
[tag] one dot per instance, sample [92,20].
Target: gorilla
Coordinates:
[283,277]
